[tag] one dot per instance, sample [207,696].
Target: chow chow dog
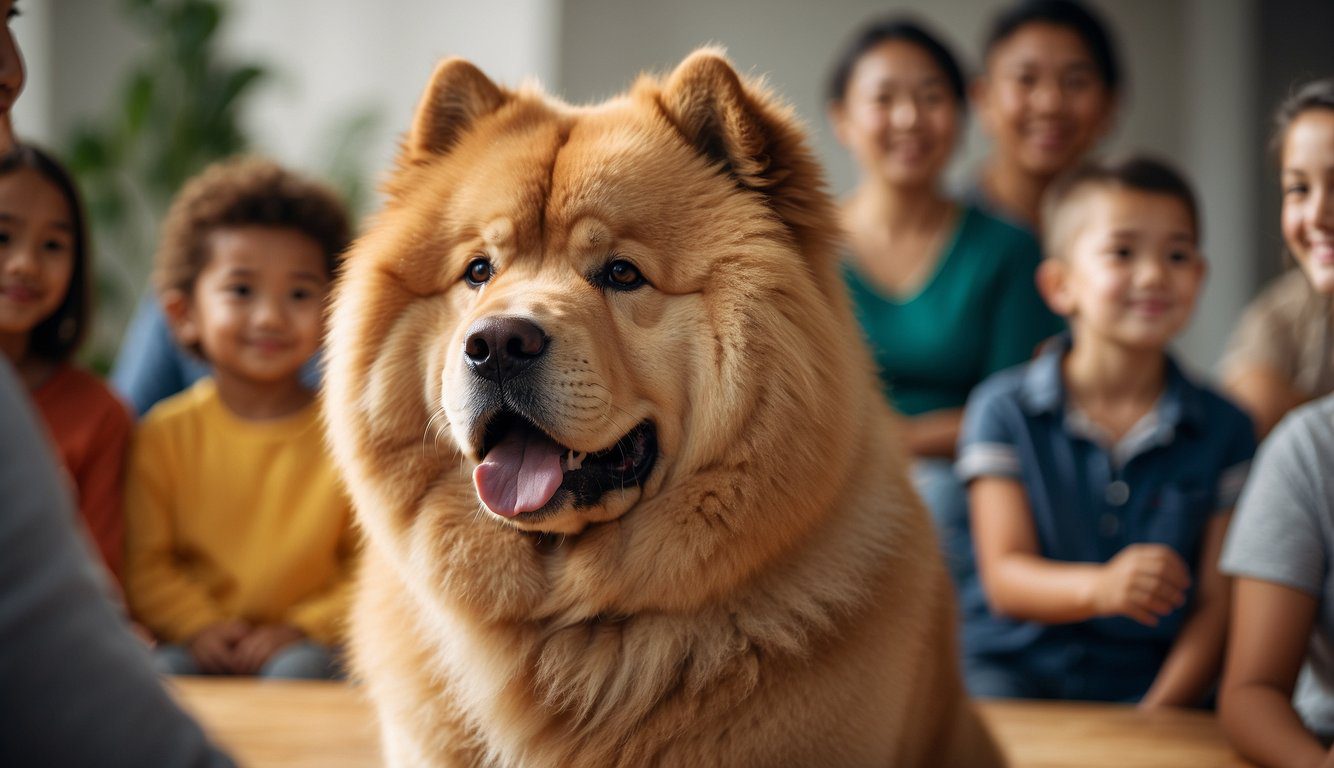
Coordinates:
[630,491]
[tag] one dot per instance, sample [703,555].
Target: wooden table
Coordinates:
[329,725]
[294,724]
[1040,734]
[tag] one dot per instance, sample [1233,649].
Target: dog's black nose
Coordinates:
[499,348]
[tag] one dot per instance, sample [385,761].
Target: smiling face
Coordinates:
[1308,195]
[1130,271]
[1042,100]
[37,244]
[256,308]
[898,117]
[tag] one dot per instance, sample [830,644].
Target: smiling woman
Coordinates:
[1282,352]
[944,291]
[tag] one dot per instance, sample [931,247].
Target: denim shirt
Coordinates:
[1183,463]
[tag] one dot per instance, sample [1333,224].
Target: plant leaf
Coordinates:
[138,100]
[237,81]
[89,152]
[193,28]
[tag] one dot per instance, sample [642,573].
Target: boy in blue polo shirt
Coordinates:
[1100,477]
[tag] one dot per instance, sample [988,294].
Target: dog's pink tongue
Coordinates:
[520,474]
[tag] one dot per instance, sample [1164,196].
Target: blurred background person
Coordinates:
[945,293]
[1282,352]
[1047,95]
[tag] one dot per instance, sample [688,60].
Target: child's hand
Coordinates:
[214,646]
[1143,582]
[256,648]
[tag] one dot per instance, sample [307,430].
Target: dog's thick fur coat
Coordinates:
[770,593]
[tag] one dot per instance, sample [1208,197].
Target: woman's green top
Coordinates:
[978,313]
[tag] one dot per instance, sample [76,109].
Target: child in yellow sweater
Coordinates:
[238,536]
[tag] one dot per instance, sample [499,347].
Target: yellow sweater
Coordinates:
[228,518]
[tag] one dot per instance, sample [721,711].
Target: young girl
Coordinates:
[44,314]
[1047,95]
[944,292]
[1282,353]
[1277,697]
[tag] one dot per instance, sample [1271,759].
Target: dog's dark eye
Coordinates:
[623,275]
[478,272]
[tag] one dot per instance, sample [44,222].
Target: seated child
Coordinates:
[238,540]
[45,288]
[1101,478]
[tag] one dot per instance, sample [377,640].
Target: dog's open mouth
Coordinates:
[523,470]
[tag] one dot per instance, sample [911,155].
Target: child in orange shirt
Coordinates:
[45,286]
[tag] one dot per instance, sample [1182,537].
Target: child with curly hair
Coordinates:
[238,542]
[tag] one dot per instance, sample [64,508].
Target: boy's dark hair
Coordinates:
[1139,173]
[244,192]
[1068,14]
[57,338]
[888,29]
[1317,94]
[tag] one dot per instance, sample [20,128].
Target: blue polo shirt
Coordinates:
[1184,462]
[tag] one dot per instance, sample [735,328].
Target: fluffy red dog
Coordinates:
[631,494]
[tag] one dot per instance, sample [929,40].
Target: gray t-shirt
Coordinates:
[1283,532]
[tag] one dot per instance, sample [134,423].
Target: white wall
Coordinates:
[33,31]
[330,58]
[1217,118]
[335,57]
[77,52]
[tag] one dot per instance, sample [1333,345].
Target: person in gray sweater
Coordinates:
[76,687]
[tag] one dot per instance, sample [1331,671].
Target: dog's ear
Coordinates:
[707,102]
[458,95]
[755,137]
